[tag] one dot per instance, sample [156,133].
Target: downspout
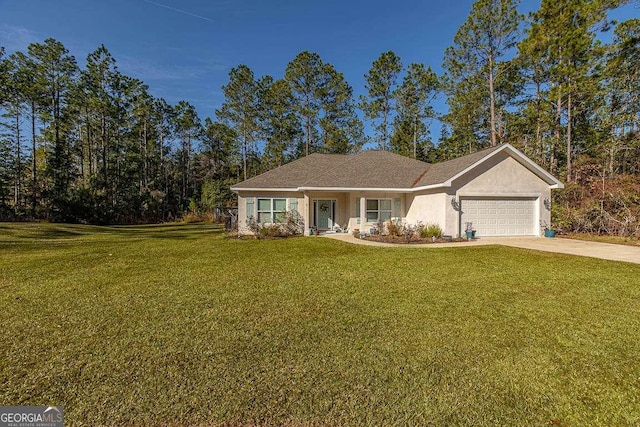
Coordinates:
[458,212]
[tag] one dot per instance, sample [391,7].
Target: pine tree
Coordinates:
[188,128]
[55,71]
[33,94]
[323,102]
[280,126]
[473,64]
[5,78]
[341,130]
[97,81]
[378,105]
[561,42]
[163,120]
[413,99]
[15,112]
[622,107]
[306,79]
[217,158]
[240,110]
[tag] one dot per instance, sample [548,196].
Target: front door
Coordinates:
[325,214]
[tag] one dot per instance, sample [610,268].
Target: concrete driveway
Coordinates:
[563,246]
[575,247]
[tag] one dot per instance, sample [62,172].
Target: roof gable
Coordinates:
[440,173]
[467,163]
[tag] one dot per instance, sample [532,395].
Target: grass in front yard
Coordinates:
[176,325]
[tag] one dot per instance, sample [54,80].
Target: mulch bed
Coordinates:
[411,240]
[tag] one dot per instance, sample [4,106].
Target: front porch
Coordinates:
[344,212]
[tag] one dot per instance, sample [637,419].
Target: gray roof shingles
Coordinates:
[372,169]
[295,174]
[368,169]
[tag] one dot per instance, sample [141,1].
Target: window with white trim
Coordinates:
[378,210]
[271,210]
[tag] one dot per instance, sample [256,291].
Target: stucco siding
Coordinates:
[242,204]
[500,175]
[427,207]
[505,177]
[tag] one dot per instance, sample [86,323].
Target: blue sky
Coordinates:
[185,49]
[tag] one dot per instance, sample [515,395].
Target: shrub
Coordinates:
[195,216]
[430,230]
[597,205]
[395,229]
[292,225]
[410,231]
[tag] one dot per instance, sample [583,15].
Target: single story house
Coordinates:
[499,190]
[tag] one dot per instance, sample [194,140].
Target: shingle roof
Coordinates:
[295,174]
[368,169]
[372,169]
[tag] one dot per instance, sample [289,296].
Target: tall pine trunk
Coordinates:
[492,103]
[18,166]
[569,154]
[244,153]
[415,136]
[384,128]
[558,130]
[538,150]
[105,162]
[34,189]
[307,128]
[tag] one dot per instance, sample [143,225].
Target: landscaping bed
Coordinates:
[382,238]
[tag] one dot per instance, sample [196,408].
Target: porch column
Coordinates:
[305,215]
[363,212]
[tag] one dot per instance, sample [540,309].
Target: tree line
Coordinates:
[94,145]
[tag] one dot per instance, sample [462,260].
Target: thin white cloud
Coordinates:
[15,38]
[151,70]
[179,10]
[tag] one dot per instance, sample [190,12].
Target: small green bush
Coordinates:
[430,230]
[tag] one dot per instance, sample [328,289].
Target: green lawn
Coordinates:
[176,325]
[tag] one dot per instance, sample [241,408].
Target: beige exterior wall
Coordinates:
[500,176]
[242,204]
[427,207]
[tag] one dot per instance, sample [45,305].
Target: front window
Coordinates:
[378,210]
[271,210]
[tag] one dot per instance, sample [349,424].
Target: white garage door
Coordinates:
[499,216]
